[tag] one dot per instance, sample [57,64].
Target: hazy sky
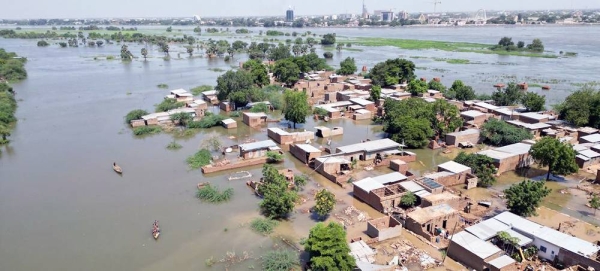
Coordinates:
[12,9]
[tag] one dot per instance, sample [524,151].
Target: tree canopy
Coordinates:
[324,202]
[460,91]
[533,102]
[347,66]
[328,39]
[559,157]
[446,118]
[500,133]
[435,85]
[375,93]
[409,121]
[392,71]
[296,106]
[524,197]
[582,107]
[507,96]
[328,249]
[234,85]
[286,71]
[482,166]
[408,200]
[278,200]
[416,87]
[282,51]
[260,75]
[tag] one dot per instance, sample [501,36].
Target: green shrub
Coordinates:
[328,55]
[174,146]
[146,130]
[199,159]
[110,57]
[261,107]
[168,104]
[282,259]
[264,226]
[42,43]
[235,114]
[135,115]
[162,86]
[320,111]
[209,120]
[274,156]
[212,194]
[199,89]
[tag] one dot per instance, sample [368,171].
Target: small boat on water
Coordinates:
[155,230]
[117,168]
[201,185]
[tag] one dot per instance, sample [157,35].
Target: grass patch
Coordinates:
[164,86]
[466,47]
[235,114]
[534,85]
[264,226]
[209,120]
[146,130]
[453,60]
[212,194]
[216,69]
[199,159]
[199,89]
[282,259]
[174,146]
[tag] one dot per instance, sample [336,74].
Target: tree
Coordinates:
[582,107]
[328,249]
[99,43]
[533,102]
[339,47]
[415,133]
[296,49]
[447,117]
[594,202]
[42,43]
[559,157]
[182,118]
[416,87]
[169,29]
[482,166]
[324,202]
[164,48]
[260,75]
[435,85]
[520,44]
[239,45]
[280,52]
[375,93]
[144,53]
[509,96]
[392,71]
[460,91]
[125,54]
[328,39]
[536,46]
[347,66]
[524,197]
[296,106]
[408,121]
[506,41]
[190,50]
[500,133]
[277,201]
[408,200]
[286,71]
[230,51]
[233,85]
[4,132]
[135,115]
[328,55]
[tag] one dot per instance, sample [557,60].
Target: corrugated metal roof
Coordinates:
[258,145]
[390,178]
[209,93]
[502,261]
[278,131]
[370,146]
[497,155]
[535,116]
[469,242]
[307,148]
[517,148]
[465,132]
[259,115]
[581,147]
[228,121]
[592,138]
[368,184]
[589,153]
[472,113]
[519,223]
[523,240]
[487,229]
[423,215]
[454,167]
[422,193]
[178,91]
[486,105]
[411,186]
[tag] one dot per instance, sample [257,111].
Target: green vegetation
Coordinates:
[435,85]
[500,133]
[199,159]
[281,259]
[11,69]
[347,66]
[274,157]
[146,130]
[264,226]
[559,157]
[320,112]
[408,200]
[392,71]
[327,248]
[42,43]
[533,102]
[510,95]
[506,44]
[375,93]
[135,115]
[416,87]
[594,202]
[278,200]
[261,107]
[235,114]
[328,39]
[212,194]
[524,197]
[481,165]
[582,107]
[296,107]
[199,89]
[328,55]
[452,60]
[324,203]
[460,91]
[181,118]
[168,104]
[286,71]
[258,71]
[209,120]
[173,145]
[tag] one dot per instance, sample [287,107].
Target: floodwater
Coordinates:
[63,208]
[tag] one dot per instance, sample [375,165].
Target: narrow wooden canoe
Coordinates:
[117,168]
[156,234]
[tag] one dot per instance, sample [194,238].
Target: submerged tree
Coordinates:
[524,197]
[296,106]
[125,53]
[324,202]
[328,249]
[559,157]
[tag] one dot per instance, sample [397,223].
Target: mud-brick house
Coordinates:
[510,157]
[467,136]
[306,153]
[439,199]
[432,221]
[229,123]
[285,138]
[460,173]
[325,132]
[532,117]
[334,168]
[362,114]
[368,105]
[254,119]
[383,198]
[257,149]
[181,95]
[384,228]
[474,118]
[210,97]
[473,252]
[368,150]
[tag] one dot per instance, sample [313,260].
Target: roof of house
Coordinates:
[390,178]
[430,183]
[516,222]
[278,131]
[472,113]
[535,116]
[465,132]
[581,147]
[361,251]
[255,115]
[265,144]
[422,215]
[497,155]
[471,243]
[209,93]
[363,111]
[487,229]
[454,167]
[307,148]
[589,153]
[368,184]
[582,157]
[517,148]
[178,91]
[504,111]
[502,261]
[432,91]
[437,175]
[530,126]
[411,186]
[361,101]
[370,146]
[587,130]
[333,160]
[566,241]
[593,138]
[441,196]
[228,121]
[486,105]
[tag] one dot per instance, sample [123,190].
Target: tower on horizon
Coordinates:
[365,12]
[289,15]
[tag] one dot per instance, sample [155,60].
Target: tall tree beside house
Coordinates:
[582,107]
[507,96]
[234,85]
[328,249]
[594,202]
[446,118]
[280,52]
[392,71]
[324,203]
[408,121]
[460,91]
[278,200]
[375,93]
[500,133]
[524,197]
[296,107]
[559,157]
[435,85]
[347,66]
[260,75]
[416,87]
[408,200]
[286,71]
[533,102]
[482,166]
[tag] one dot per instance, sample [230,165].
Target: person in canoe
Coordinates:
[116,168]
[155,229]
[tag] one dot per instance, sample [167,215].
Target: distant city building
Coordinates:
[365,12]
[196,18]
[289,15]
[387,16]
[403,15]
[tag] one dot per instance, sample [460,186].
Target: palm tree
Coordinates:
[144,53]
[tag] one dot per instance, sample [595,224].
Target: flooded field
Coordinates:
[63,208]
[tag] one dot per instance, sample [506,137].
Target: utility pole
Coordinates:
[448,249]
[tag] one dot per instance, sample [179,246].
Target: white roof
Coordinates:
[363,111]
[361,251]
[535,116]
[258,145]
[368,184]
[390,178]
[454,167]
[333,159]
[178,91]
[496,154]
[278,131]
[502,261]
[370,146]
[589,153]
[592,138]
[517,148]
[209,92]
[422,193]
[504,111]
[472,113]
[228,121]
[432,91]
[566,241]
[581,147]
[465,132]
[469,242]
[155,115]
[582,157]
[411,186]
[437,175]
[519,223]
[360,101]
[523,240]
[307,148]
[486,105]
[260,114]
[487,229]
